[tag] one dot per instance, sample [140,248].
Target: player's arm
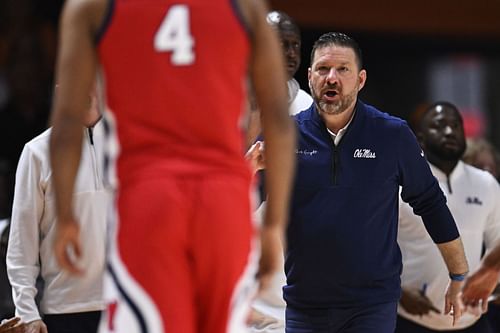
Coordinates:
[75,74]
[482,282]
[267,72]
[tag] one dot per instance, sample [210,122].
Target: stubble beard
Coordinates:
[338,107]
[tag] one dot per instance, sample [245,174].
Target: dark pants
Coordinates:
[493,316]
[406,326]
[80,322]
[380,318]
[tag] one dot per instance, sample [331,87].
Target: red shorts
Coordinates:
[183,248]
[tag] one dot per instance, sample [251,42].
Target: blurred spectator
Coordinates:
[481,154]
[291,43]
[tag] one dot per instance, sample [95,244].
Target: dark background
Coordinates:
[402,39]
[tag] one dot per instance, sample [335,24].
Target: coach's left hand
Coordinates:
[453,300]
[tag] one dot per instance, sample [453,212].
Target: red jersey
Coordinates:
[177,99]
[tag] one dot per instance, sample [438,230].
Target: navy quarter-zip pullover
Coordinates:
[341,241]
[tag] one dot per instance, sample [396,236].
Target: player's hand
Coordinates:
[453,300]
[67,245]
[271,250]
[255,156]
[260,321]
[416,303]
[12,325]
[35,326]
[479,286]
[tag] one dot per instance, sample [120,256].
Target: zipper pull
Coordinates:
[91,135]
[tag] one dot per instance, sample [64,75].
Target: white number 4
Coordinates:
[174,35]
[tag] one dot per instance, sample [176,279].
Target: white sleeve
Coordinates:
[23,264]
[405,216]
[492,229]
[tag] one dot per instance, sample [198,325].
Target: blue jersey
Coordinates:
[342,249]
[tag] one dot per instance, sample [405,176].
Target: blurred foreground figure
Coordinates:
[175,74]
[268,309]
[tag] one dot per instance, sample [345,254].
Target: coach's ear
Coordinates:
[361,79]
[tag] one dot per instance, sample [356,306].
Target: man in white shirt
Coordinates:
[289,34]
[474,200]
[69,303]
[298,99]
